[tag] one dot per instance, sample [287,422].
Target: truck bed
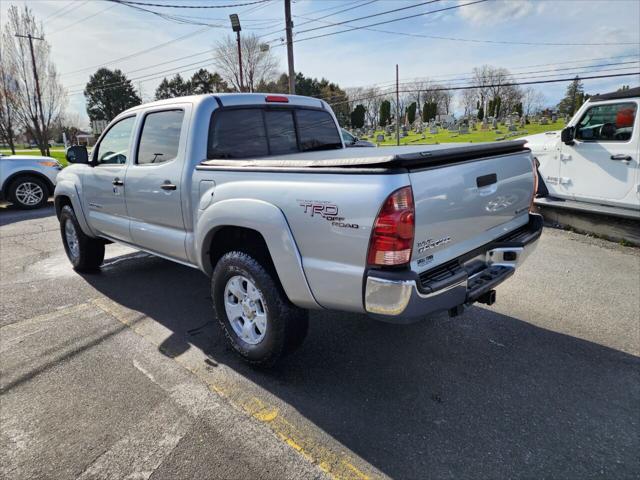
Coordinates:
[406,157]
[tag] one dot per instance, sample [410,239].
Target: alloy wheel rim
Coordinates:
[29,193]
[71,236]
[245,308]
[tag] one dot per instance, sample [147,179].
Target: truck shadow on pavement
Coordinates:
[10,214]
[483,395]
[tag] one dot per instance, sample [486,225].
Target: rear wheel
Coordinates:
[86,254]
[255,315]
[28,192]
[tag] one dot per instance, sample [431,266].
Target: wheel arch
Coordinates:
[264,230]
[66,194]
[27,173]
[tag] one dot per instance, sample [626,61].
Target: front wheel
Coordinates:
[28,192]
[255,315]
[86,254]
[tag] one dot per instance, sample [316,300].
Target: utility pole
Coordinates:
[235,25]
[289,28]
[45,135]
[397,107]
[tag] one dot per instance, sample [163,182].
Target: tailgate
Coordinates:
[462,206]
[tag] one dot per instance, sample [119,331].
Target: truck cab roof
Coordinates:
[238,100]
[629,93]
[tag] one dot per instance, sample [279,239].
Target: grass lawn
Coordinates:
[444,136]
[57,153]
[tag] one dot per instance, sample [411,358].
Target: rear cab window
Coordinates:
[259,132]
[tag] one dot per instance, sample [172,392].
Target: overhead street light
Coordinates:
[235,26]
[235,22]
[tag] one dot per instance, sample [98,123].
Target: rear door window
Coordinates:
[317,131]
[238,134]
[160,137]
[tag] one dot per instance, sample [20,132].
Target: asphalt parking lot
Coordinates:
[123,374]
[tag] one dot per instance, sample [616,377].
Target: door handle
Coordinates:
[167,185]
[486,180]
[621,157]
[117,182]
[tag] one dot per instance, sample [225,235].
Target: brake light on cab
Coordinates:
[393,230]
[276,99]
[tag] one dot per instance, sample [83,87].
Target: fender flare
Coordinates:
[67,188]
[270,222]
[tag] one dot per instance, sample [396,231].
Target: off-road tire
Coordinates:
[287,324]
[90,251]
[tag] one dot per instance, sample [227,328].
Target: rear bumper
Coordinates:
[405,297]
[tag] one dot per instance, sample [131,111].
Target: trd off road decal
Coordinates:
[425,245]
[326,210]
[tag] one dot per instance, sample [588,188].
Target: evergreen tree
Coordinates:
[411,112]
[573,98]
[518,108]
[480,113]
[385,113]
[176,87]
[108,93]
[204,81]
[425,112]
[357,116]
[497,104]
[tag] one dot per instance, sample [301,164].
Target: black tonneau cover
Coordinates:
[408,157]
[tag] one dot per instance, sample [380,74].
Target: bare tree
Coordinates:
[16,58]
[532,100]
[469,101]
[7,100]
[490,82]
[372,104]
[258,65]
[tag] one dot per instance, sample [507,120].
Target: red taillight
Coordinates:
[276,99]
[392,236]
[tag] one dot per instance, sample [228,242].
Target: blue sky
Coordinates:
[86,34]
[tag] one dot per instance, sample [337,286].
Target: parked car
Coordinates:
[593,164]
[353,141]
[259,192]
[28,181]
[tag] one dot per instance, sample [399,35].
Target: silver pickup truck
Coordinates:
[259,192]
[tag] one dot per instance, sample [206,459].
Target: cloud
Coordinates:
[491,13]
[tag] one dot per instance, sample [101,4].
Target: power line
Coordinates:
[392,20]
[328,15]
[457,39]
[575,68]
[374,15]
[154,75]
[55,32]
[59,12]
[338,12]
[164,5]
[141,52]
[472,87]
[507,80]
[436,77]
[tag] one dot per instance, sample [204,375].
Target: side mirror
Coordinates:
[567,135]
[77,154]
